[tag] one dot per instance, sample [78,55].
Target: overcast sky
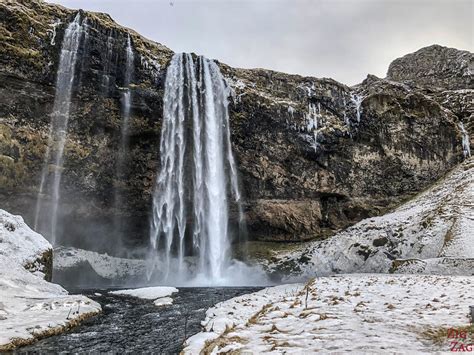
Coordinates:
[341,39]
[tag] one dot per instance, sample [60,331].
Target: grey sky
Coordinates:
[341,39]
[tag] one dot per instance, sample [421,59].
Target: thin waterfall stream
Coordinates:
[124,139]
[46,214]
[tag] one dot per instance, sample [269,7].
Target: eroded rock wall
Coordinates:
[314,155]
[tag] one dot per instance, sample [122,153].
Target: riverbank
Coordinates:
[134,325]
[32,308]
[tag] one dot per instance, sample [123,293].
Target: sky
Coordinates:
[341,39]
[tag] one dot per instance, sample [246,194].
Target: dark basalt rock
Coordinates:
[407,137]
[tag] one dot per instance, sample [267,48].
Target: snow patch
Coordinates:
[53,31]
[147,293]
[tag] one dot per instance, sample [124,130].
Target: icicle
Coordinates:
[466,149]
[357,100]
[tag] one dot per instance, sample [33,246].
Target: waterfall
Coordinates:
[466,149]
[46,216]
[123,147]
[198,173]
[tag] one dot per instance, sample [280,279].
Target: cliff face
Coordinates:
[314,155]
[435,66]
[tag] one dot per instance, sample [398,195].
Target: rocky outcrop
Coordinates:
[314,155]
[87,269]
[24,246]
[435,66]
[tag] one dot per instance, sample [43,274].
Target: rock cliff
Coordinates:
[314,155]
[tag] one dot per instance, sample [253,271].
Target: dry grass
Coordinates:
[222,341]
[254,319]
[439,335]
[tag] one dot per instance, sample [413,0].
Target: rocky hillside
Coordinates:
[436,67]
[432,233]
[314,155]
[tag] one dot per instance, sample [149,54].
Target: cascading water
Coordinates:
[46,217]
[197,173]
[123,148]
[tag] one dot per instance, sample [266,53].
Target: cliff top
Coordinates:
[435,66]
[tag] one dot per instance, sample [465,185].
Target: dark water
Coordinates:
[137,326]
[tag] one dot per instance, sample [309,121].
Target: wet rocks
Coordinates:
[314,155]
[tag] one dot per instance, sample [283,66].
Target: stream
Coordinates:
[134,325]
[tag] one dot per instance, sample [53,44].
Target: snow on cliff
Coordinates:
[434,230]
[345,313]
[21,244]
[31,307]
[104,265]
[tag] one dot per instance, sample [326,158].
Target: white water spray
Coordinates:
[46,218]
[197,173]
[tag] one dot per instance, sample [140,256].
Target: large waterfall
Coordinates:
[197,179]
[46,215]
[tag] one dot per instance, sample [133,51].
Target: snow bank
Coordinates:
[31,307]
[160,294]
[434,225]
[19,243]
[105,266]
[345,313]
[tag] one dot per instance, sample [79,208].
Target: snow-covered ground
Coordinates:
[370,313]
[160,294]
[434,226]
[31,307]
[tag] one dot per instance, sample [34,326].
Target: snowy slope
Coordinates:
[340,314]
[31,307]
[438,225]
[21,244]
